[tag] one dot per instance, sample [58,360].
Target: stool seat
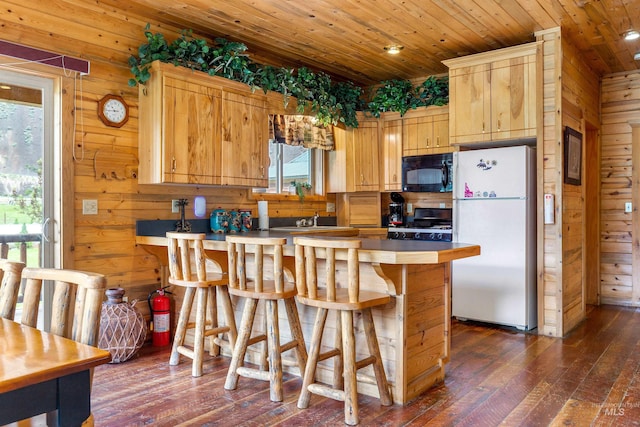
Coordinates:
[270,290]
[323,292]
[187,269]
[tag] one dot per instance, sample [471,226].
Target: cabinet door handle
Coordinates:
[438,141]
[261,172]
[428,142]
[173,164]
[498,125]
[482,127]
[361,178]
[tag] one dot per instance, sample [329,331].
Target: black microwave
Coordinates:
[428,174]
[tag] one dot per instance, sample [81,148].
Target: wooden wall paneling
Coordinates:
[635,251]
[580,105]
[549,289]
[619,164]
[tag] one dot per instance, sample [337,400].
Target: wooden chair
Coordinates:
[344,301]
[76,306]
[75,310]
[270,291]
[10,279]
[187,268]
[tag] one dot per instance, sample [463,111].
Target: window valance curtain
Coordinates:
[300,130]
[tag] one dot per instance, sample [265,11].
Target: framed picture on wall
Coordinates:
[572,156]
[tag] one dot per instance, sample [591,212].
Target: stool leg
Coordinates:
[198,340]
[240,349]
[314,353]
[374,350]
[181,328]
[296,333]
[349,354]
[275,357]
[229,318]
[212,315]
[338,362]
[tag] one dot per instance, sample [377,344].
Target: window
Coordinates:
[290,163]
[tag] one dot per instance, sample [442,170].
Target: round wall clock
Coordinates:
[113,111]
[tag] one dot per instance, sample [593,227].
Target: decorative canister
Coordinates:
[234,222]
[219,221]
[122,327]
[245,219]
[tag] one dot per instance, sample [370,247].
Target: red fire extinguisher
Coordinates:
[159,306]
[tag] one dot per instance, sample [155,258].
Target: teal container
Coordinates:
[219,221]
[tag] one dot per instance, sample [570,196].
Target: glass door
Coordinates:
[26,172]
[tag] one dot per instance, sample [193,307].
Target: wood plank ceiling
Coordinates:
[346,38]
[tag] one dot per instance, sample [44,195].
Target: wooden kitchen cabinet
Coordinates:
[392,152]
[179,129]
[353,165]
[199,129]
[426,131]
[245,151]
[492,95]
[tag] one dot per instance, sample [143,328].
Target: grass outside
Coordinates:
[12,215]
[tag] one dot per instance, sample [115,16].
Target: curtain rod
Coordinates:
[44,57]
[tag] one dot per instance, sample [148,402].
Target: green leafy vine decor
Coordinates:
[331,103]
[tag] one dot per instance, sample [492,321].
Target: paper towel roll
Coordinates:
[263,215]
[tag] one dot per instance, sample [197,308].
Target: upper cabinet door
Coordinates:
[365,164]
[245,141]
[469,104]
[192,137]
[179,128]
[392,154]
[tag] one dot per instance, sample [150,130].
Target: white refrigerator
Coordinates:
[494,206]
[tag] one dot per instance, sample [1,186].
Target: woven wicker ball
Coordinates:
[122,327]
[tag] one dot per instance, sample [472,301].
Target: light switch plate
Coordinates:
[89,207]
[331,207]
[628,207]
[175,208]
[409,207]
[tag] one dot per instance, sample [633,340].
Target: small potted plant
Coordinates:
[300,189]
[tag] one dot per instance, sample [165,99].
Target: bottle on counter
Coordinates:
[234,222]
[245,219]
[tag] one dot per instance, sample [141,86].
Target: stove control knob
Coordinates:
[439,236]
[404,235]
[432,236]
[417,236]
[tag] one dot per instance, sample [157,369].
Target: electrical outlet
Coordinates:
[628,207]
[89,207]
[331,207]
[409,207]
[175,207]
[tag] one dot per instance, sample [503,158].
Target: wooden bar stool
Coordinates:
[344,301]
[186,252]
[256,289]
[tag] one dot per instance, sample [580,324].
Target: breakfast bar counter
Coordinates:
[413,329]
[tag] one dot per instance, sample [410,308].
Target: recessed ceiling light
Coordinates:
[5,87]
[637,56]
[393,49]
[631,35]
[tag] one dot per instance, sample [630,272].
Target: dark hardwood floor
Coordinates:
[495,377]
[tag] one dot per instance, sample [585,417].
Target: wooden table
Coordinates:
[44,373]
